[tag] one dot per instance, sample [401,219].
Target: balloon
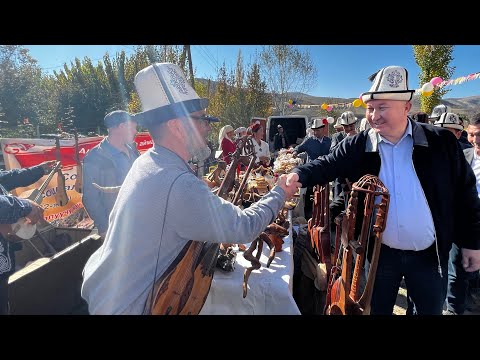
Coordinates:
[290,106]
[427,87]
[294,102]
[324,106]
[364,105]
[329,108]
[436,80]
[290,101]
[330,120]
[357,102]
[427,93]
[360,97]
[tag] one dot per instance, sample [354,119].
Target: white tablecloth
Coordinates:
[269,289]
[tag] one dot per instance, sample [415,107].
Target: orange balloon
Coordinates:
[427,93]
[324,106]
[357,102]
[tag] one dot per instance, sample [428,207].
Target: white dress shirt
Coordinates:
[409,222]
[261,150]
[476,169]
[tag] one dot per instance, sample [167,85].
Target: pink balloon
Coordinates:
[436,80]
[329,108]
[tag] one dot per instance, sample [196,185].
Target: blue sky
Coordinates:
[342,69]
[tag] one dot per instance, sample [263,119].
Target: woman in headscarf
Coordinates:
[225,143]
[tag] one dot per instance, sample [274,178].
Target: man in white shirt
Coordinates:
[428,210]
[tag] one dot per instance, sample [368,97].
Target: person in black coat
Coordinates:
[280,139]
[13,209]
[433,195]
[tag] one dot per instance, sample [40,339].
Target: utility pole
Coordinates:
[190,65]
[200,163]
[183,57]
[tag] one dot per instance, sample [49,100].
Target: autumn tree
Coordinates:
[287,70]
[237,95]
[433,61]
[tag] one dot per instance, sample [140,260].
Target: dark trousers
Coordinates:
[4,294]
[458,282]
[426,286]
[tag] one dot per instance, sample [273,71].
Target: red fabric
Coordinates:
[255,127]
[228,146]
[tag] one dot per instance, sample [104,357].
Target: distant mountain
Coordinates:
[463,106]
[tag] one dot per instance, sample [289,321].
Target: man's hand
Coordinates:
[290,187]
[470,259]
[293,178]
[48,166]
[36,214]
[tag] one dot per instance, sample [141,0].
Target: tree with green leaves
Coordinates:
[287,70]
[433,61]
[21,96]
[238,95]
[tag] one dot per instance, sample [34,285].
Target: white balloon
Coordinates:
[427,87]
[330,120]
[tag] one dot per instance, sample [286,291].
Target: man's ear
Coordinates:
[175,128]
[408,106]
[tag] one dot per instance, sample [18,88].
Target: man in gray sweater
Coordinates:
[162,205]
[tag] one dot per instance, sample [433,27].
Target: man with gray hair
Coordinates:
[162,205]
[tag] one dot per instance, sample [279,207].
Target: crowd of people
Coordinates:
[430,164]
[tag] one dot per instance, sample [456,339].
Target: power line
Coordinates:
[210,55]
[206,58]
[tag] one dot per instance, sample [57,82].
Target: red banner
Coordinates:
[22,153]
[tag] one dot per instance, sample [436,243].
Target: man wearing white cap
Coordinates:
[317,144]
[428,210]
[453,123]
[441,109]
[314,146]
[338,128]
[162,205]
[347,120]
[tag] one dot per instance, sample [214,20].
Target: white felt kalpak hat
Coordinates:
[439,110]
[165,94]
[390,83]
[318,123]
[337,124]
[450,120]
[348,118]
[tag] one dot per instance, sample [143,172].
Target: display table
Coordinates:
[269,289]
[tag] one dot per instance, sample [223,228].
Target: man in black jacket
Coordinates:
[280,140]
[459,279]
[433,194]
